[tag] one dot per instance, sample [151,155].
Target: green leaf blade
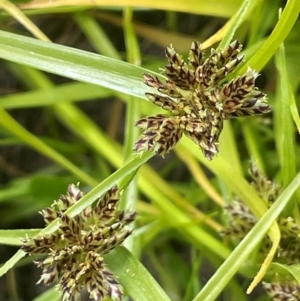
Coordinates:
[134,276]
[73,63]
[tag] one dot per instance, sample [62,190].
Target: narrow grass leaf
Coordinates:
[132,107]
[294,109]
[236,20]
[13,237]
[73,63]
[213,7]
[23,19]
[131,133]
[262,19]
[11,262]
[284,126]
[140,285]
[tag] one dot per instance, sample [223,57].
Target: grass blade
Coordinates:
[284,125]
[73,63]
[134,277]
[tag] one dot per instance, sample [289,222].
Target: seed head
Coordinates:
[241,220]
[286,291]
[198,100]
[75,251]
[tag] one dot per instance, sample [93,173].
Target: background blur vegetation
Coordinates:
[67,116]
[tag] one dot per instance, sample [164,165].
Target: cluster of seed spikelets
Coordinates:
[74,252]
[283,291]
[198,100]
[241,220]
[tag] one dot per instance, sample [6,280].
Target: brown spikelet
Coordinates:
[161,134]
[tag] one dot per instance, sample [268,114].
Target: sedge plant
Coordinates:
[176,176]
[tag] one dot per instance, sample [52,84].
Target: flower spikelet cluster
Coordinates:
[198,99]
[289,291]
[75,251]
[241,220]
[268,190]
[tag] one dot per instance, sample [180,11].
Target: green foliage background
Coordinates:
[78,127]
